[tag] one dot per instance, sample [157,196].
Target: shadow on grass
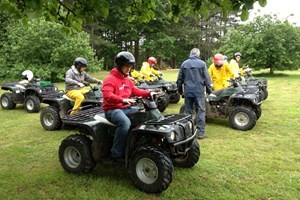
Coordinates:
[217,121]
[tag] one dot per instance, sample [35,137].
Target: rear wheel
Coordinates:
[75,154]
[190,158]
[242,118]
[7,101]
[32,104]
[151,170]
[50,118]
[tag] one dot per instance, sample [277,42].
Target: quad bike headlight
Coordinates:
[190,125]
[172,135]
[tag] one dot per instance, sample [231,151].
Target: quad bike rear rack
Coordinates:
[82,116]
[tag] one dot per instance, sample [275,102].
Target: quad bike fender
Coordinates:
[94,127]
[13,88]
[53,101]
[252,99]
[167,134]
[33,91]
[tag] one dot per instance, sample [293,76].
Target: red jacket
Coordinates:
[117,87]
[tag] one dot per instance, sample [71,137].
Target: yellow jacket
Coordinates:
[236,68]
[220,76]
[135,74]
[147,71]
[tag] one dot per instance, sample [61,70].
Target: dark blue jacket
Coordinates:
[193,77]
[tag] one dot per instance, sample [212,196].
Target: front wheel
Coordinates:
[32,104]
[242,118]
[258,112]
[190,158]
[7,101]
[194,114]
[151,170]
[162,103]
[75,154]
[174,97]
[50,118]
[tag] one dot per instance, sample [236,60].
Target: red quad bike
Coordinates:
[155,143]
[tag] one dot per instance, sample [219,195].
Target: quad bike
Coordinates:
[30,95]
[155,143]
[162,101]
[168,87]
[242,108]
[262,83]
[52,117]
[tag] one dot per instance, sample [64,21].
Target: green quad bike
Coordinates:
[242,109]
[60,106]
[155,143]
[162,101]
[262,83]
[168,87]
[30,95]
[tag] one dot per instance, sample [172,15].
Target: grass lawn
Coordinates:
[263,163]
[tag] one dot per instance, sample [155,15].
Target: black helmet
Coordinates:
[237,54]
[80,62]
[124,58]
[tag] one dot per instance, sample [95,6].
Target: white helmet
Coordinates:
[27,74]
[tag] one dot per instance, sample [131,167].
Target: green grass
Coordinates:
[263,163]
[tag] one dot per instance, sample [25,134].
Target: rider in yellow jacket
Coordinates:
[234,63]
[135,75]
[148,70]
[219,72]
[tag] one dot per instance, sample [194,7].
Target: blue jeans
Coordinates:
[199,103]
[120,119]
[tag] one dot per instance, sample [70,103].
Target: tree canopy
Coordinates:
[265,43]
[43,47]
[74,12]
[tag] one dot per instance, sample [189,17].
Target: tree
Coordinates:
[265,43]
[74,12]
[43,47]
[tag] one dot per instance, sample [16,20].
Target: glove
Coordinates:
[80,85]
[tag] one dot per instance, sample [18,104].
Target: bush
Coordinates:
[46,48]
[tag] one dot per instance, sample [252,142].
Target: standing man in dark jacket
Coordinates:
[192,80]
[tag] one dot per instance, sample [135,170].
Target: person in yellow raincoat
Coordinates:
[219,72]
[234,63]
[148,70]
[135,75]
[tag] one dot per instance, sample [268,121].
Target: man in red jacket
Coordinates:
[117,89]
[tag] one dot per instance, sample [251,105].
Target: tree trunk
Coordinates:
[136,54]
[271,70]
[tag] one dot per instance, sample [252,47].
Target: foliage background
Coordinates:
[44,47]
